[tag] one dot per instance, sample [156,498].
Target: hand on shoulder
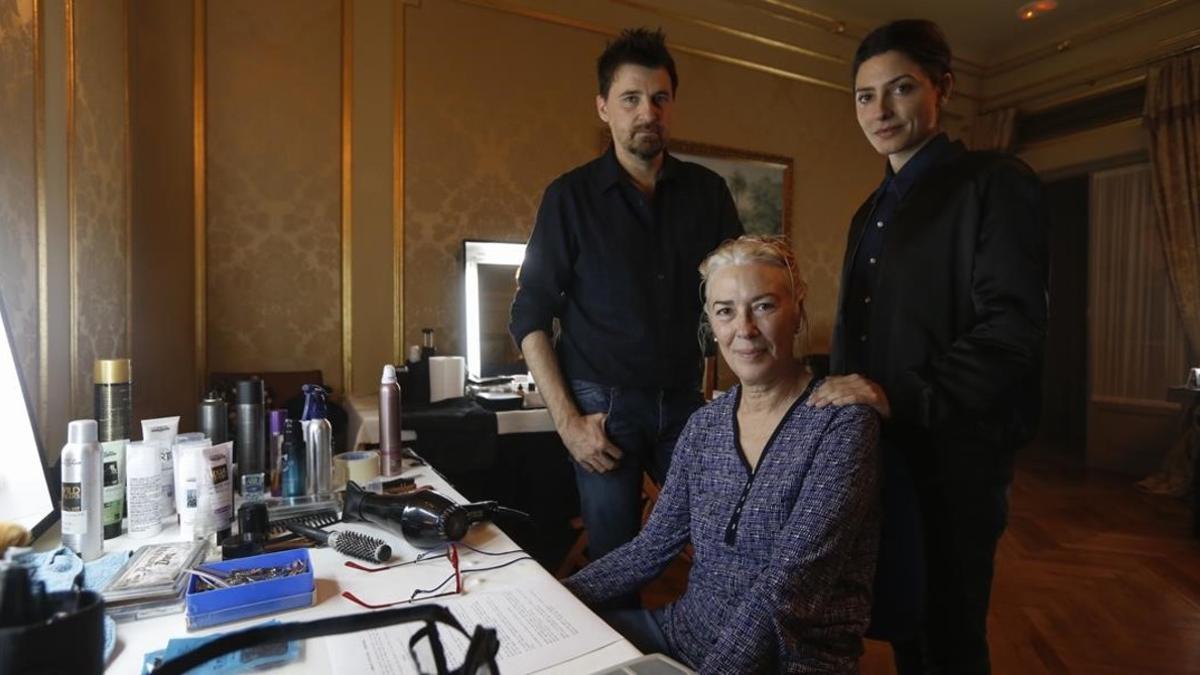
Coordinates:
[842,390]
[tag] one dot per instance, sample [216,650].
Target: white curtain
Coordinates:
[1138,347]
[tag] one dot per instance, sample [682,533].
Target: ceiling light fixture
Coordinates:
[1033,10]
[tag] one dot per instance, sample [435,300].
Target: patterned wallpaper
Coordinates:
[18,208]
[274,191]
[483,145]
[490,123]
[101,193]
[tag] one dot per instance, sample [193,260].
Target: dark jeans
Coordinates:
[962,521]
[644,424]
[642,627]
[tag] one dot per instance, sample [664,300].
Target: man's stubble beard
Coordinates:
[648,149]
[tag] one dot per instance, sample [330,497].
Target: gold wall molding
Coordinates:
[72,253]
[591,27]
[588,26]
[1098,90]
[347,196]
[43,245]
[1109,68]
[200,184]
[128,192]
[1081,37]
[398,126]
[736,32]
[802,16]
[1070,138]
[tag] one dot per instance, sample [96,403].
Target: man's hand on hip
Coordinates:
[586,441]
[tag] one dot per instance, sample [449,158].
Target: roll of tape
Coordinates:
[359,466]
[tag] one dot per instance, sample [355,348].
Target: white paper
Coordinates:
[534,631]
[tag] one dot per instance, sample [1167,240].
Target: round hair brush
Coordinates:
[348,543]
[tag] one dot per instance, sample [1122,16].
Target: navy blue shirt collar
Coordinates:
[609,171]
[917,166]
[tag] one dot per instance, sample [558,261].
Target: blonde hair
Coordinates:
[774,251]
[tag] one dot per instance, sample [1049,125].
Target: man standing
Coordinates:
[614,256]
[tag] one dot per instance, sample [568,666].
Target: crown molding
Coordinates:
[509,7]
[1104,70]
[1083,36]
[736,32]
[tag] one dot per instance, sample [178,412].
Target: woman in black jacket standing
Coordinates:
[940,326]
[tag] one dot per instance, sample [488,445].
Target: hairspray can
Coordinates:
[113,399]
[213,418]
[318,442]
[276,420]
[251,438]
[82,490]
[389,421]
[292,459]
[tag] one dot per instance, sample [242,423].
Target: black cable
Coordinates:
[435,589]
[477,550]
[496,567]
[461,572]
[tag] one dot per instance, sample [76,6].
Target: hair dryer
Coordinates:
[425,518]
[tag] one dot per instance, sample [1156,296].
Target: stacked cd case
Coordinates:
[152,582]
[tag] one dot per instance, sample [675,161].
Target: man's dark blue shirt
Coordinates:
[619,271]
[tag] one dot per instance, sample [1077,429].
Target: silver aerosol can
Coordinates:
[318,442]
[82,490]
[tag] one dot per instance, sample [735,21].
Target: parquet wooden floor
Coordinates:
[1092,577]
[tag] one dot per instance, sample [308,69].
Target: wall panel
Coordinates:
[18,184]
[273,160]
[99,183]
[162,229]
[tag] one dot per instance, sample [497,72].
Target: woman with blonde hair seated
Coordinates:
[779,499]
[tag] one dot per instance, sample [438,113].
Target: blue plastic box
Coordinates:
[223,605]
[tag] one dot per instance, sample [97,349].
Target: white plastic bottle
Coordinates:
[82,491]
[143,472]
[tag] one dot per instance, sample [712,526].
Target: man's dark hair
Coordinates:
[918,39]
[639,46]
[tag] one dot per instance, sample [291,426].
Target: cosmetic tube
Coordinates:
[215,511]
[188,454]
[162,431]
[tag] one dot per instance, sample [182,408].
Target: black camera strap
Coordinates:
[350,623]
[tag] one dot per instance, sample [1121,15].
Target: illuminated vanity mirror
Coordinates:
[25,497]
[490,281]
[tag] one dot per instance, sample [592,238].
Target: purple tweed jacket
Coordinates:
[784,555]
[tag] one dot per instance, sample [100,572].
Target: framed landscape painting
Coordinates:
[761,184]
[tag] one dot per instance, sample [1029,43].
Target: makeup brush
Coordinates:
[346,542]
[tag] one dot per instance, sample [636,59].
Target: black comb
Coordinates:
[323,518]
